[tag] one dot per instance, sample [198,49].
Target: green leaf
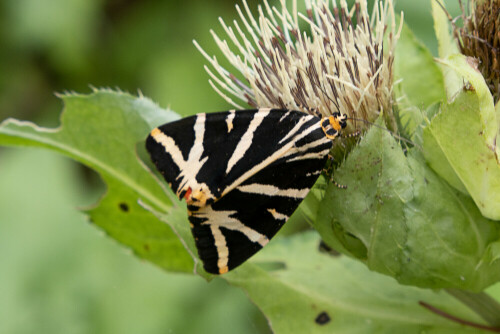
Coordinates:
[63,277]
[379,184]
[404,221]
[355,299]
[414,64]
[102,131]
[449,241]
[446,46]
[467,67]
[460,145]
[178,218]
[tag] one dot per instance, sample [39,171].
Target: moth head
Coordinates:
[332,125]
[338,121]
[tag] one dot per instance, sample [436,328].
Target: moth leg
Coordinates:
[328,164]
[351,135]
[327,171]
[338,185]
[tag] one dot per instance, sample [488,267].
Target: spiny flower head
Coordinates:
[480,38]
[337,65]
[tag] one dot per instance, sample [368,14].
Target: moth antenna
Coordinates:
[320,86]
[391,132]
[357,133]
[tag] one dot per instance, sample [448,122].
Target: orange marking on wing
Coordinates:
[188,193]
[155,132]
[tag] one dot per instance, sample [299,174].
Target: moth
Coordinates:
[242,174]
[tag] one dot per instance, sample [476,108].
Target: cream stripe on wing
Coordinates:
[270,190]
[277,215]
[246,139]
[296,128]
[286,149]
[310,146]
[170,147]
[222,250]
[191,167]
[312,155]
[229,120]
[193,164]
[285,115]
[224,219]
[314,173]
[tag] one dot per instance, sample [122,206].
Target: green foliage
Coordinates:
[101,131]
[355,299]
[423,214]
[413,65]
[460,142]
[446,46]
[401,219]
[456,147]
[62,275]
[108,117]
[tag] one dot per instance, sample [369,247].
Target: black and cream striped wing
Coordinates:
[242,173]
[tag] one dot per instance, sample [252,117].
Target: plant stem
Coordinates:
[481,303]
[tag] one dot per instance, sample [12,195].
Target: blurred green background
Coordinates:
[58,274]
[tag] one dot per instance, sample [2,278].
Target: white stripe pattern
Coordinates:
[191,167]
[315,173]
[270,190]
[312,155]
[289,148]
[247,138]
[296,128]
[277,215]
[222,250]
[229,120]
[224,219]
[285,115]
[308,146]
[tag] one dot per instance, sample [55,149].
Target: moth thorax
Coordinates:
[333,125]
[198,197]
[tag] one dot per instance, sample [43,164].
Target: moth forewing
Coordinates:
[242,173]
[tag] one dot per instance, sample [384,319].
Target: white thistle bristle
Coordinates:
[338,65]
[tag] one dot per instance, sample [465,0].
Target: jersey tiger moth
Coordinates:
[242,173]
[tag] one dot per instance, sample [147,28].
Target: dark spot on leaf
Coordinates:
[146,247]
[272,265]
[324,248]
[322,319]
[124,207]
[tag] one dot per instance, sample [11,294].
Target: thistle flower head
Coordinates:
[479,37]
[337,65]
